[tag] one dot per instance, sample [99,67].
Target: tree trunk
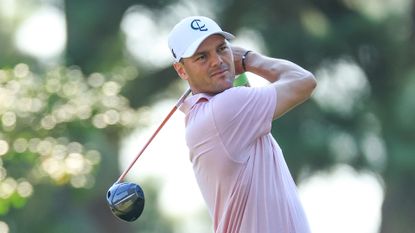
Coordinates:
[92,31]
[398,215]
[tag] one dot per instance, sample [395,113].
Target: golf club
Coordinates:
[126,200]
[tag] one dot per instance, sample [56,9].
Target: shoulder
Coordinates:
[243,100]
[230,98]
[243,95]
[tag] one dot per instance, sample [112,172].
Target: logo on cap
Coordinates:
[174,54]
[196,26]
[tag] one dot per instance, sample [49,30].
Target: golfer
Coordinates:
[238,165]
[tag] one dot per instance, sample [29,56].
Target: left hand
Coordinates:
[238,52]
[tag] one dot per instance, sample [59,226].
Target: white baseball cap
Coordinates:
[190,32]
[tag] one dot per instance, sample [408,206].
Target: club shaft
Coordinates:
[179,102]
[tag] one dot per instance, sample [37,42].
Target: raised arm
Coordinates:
[292,83]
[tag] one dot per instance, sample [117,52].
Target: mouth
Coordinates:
[219,72]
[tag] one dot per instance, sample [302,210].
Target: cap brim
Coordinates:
[195,45]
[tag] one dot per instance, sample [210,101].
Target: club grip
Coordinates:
[241,80]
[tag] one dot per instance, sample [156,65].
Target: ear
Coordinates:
[180,70]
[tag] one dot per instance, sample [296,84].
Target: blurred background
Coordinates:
[83,84]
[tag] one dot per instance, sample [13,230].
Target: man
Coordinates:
[238,165]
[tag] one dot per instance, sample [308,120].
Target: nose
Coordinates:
[216,60]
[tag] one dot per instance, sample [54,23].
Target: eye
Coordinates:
[223,48]
[201,57]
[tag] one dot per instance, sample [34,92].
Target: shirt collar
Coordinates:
[191,101]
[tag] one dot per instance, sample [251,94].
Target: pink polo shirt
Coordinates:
[238,165]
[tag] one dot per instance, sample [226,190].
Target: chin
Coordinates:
[224,88]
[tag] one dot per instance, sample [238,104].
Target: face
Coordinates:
[211,69]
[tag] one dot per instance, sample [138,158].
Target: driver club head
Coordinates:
[126,200]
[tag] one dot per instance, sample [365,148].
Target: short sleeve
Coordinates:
[242,115]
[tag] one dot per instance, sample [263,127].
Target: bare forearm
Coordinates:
[293,84]
[273,69]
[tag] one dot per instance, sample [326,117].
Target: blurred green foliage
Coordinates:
[49,126]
